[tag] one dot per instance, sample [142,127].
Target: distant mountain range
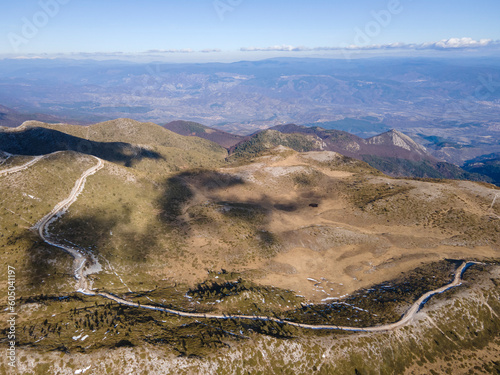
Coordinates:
[434,97]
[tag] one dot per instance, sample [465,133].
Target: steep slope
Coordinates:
[366,126]
[220,137]
[488,165]
[394,138]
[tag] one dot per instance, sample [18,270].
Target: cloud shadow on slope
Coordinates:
[179,190]
[195,189]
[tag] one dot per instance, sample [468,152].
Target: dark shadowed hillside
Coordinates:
[488,165]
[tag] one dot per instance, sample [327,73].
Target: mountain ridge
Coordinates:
[392,152]
[124,141]
[128,141]
[392,143]
[191,128]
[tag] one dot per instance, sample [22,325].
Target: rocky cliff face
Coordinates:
[394,138]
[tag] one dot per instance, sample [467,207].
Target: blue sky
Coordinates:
[244,29]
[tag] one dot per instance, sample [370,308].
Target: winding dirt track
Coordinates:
[25,165]
[407,317]
[81,259]
[61,207]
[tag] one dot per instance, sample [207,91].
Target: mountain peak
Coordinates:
[394,137]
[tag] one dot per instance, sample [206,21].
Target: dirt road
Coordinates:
[25,165]
[59,209]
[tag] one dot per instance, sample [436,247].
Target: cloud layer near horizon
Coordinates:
[452,44]
[444,44]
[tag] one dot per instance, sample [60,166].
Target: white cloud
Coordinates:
[91,54]
[445,44]
[185,50]
[211,50]
[33,57]
[275,48]
[459,43]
